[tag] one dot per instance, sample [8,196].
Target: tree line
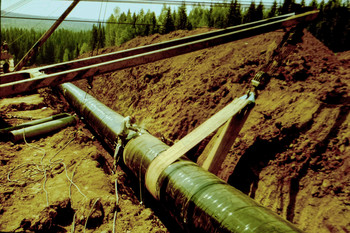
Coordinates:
[63,45]
[332,27]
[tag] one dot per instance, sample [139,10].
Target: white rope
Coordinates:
[73,223]
[116,193]
[90,213]
[70,185]
[43,168]
[114,220]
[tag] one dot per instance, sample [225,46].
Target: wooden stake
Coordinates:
[217,149]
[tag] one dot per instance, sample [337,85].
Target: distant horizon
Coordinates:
[90,10]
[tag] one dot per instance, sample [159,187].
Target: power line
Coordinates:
[76,21]
[174,2]
[37,25]
[16,5]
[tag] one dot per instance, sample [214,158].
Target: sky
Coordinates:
[84,10]
[54,8]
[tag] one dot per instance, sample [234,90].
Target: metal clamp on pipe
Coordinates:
[128,130]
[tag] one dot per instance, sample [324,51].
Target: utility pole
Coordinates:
[44,37]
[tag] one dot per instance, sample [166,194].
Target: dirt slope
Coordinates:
[292,154]
[48,162]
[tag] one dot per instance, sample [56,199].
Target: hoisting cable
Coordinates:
[98,38]
[288,44]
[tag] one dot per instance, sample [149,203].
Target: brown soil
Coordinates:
[292,155]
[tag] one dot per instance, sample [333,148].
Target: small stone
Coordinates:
[326,183]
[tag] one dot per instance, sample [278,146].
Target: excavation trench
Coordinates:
[197,199]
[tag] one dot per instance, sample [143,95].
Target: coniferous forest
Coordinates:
[332,27]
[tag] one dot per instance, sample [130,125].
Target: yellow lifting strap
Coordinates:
[162,161]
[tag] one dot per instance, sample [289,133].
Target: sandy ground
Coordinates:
[292,155]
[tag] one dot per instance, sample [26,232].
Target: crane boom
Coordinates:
[56,74]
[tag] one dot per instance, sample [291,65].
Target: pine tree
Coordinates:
[175,18]
[84,48]
[210,16]
[154,27]
[273,10]
[163,14]
[250,14]
[314,4]
[287,6]
[219,16]
[237,13]
[101,36]
[259,13]
[231,14]
[110,31]
[66,56]
[94,37]
[168,24]
[234,16]
[182,17]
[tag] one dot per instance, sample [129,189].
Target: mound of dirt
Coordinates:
[292,154]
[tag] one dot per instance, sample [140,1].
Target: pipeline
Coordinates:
[198,200]
[5,132]
[105,122]
[32,123]
[41,129]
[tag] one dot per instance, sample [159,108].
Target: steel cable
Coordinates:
[15,6]
[167,2]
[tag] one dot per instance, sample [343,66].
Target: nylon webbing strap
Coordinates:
[162,161]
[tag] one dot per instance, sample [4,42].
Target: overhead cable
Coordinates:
[15,6]
[175,2]
[75,21]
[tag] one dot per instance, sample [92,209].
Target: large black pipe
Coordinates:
[199,201]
